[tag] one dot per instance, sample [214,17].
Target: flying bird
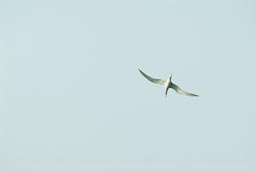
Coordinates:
[167,84]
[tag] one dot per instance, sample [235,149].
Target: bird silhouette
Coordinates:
[167,84]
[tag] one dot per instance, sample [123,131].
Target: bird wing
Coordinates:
[153,80]
[180,91]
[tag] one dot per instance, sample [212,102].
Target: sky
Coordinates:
[72,98]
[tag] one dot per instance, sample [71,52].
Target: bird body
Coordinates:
[167,84]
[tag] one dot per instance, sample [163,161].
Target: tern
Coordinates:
[167,84]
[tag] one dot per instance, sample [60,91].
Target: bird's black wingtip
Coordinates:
[140,71]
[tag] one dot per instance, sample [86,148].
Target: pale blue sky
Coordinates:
[72,99]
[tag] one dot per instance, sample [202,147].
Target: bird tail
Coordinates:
[166,91]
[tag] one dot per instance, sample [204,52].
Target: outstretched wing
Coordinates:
[153,80]
[180,91]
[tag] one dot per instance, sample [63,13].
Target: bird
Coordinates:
[167,84]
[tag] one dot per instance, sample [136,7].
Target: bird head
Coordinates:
[170,78]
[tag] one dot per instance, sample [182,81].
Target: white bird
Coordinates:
[167,84]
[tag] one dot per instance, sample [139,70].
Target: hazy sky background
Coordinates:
[71,97]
